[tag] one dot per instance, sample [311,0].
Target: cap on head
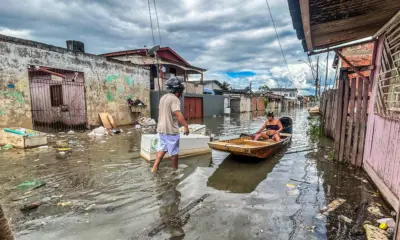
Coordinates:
[270,114]
[175,84]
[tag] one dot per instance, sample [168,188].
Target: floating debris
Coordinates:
[31,185]
[64,204]
[345,219]
[330,207]
[374,233]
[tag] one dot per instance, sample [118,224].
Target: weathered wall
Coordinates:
[245,104]
[107,83]
[382,143]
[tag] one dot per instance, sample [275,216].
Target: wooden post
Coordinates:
[344,115]
[351,119]
[5,230]
[316,82]
[364,114]
[326,73]
[339,109]
[357,123]
[201,79]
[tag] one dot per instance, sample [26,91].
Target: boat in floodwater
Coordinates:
[246,146]
[314,111]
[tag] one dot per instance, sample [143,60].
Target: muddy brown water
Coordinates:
[110,193]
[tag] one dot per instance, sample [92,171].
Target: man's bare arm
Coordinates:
[182,121]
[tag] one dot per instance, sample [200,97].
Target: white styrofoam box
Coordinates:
[195,129]
[190,145]
[227,110]
[19,141]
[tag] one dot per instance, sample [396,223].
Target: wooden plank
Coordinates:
[305,17]
[387,194]
[364,114]
[111,120]
[394,19]
[357,123]
[104,120]
[339,104]
[351,66]
[344,115]
[351,119]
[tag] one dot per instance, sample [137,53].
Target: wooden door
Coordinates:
[193,107]
[199,108]
[186,110]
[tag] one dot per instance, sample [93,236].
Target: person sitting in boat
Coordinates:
[273,127]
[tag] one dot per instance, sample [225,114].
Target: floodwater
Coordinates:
[108,191]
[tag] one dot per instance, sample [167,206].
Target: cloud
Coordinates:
[223,36]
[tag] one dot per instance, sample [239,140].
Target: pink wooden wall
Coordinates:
[382,143]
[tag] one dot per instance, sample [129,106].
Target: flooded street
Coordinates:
[102,189]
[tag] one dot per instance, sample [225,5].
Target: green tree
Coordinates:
[263,88]
[225,86]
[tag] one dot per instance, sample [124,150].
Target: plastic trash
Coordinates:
[116,131]
[44,147]
[31,185]
[345,219]
[137,126]
[64,204]
[147,121]
[330,207]
[7,146]
[383,226]
[390,223]
[98,132]
[375,233]
[375,211]
[71,132]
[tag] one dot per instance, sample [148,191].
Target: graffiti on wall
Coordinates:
[120,87]
[13,94]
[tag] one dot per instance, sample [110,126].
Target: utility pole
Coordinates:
[326,73]
[316,81]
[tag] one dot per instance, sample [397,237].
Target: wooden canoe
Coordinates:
[245,146]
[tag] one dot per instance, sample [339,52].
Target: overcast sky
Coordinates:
[233,39]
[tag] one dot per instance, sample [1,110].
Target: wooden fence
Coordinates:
[344,114]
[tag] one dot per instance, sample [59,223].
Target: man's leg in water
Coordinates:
[160,156]
[174,160]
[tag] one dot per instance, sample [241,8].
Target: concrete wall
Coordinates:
[107,83]
[245,104]
[212,104]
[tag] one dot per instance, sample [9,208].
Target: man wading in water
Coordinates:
[169,114]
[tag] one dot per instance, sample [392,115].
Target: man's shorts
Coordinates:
[168,143]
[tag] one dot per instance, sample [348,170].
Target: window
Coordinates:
[172,70]
[387,102]
[56,96]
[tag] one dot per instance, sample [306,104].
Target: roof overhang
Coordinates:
[325,24]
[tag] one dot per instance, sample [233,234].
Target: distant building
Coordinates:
[213,87]
[290,93]
[171,64]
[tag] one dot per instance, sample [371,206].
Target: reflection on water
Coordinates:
[240,174]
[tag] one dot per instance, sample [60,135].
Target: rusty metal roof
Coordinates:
[325,23]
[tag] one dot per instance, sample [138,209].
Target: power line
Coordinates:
[158,25]
[151,24]
[280,46]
